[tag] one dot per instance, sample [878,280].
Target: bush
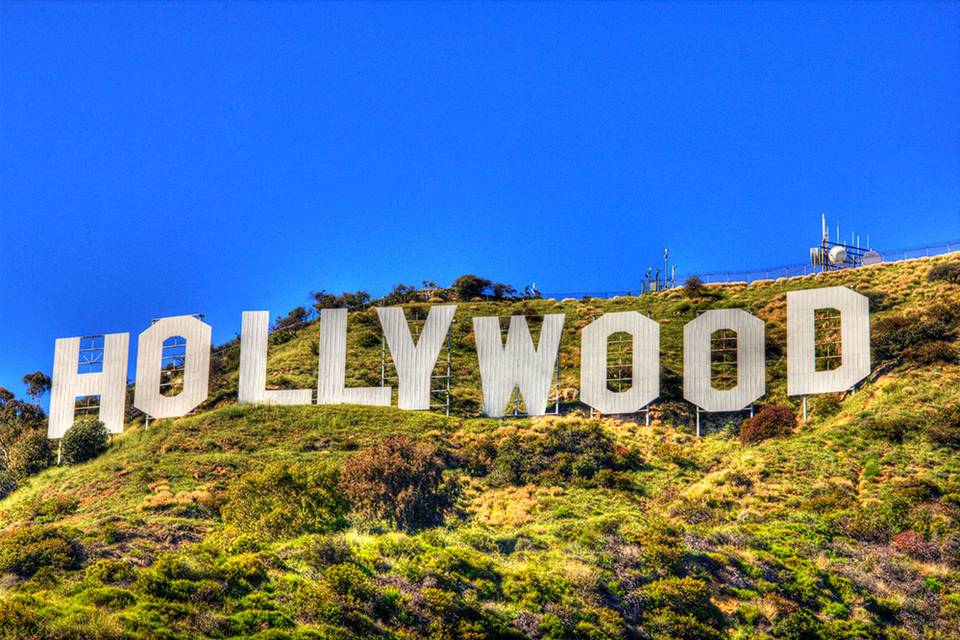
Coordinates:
[26,550]
[933,353]
[826,405]
[680,608]
[8,484]
[85,440]
[944,428]
[892,428]
[400,481]
[30,454]
[770,422]
[693,286]
[912,544]
[109,571]
[571,451]
[279,502]
[897,336]
[949,272]
[798,625]
[19,619]
[876,521]
[478,457]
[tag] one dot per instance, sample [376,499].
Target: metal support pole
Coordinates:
[383,360]
[647,411]
[556,387]
[751,410]
[59,451]
[698,422]
[804,409]
[449,370]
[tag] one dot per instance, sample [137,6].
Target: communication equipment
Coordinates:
[830,255]
[838,255]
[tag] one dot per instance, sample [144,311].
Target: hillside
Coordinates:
[229,523]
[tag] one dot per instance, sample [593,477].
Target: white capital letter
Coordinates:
[802,376]
[110,383]
[645,366]
[415,362]
[518,364]
[332,370]
[254,331]
[196,367]
[751,365]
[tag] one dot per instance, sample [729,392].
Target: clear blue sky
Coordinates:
[160,159]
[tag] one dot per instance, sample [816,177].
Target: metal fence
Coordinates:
[768,273]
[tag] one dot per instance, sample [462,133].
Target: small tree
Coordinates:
[353,300]
[949,272]
[501,290]
[693,286]
[467,287]
[295,316]
[30,454]
[38,383]
[323,300]
[85,440]
[16,418]
[772,421]
[400,481]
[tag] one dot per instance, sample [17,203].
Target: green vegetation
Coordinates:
[85,440]
[302,522]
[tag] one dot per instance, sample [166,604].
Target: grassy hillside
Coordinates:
[225,523]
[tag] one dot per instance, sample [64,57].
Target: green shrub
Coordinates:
[826,405]
[8,484]
[30,454]
[944,428]
[680,608]
[283,502]
[477,457]
[108,597]
[51,509]
[400,481]
[26,550]
[349,580]
[891,428]
[571,451]
[898,336]
[949,272]
[19,619]
[933,352]
[326,551]
[876,521]
[109,571]
[771,421]
[85,440]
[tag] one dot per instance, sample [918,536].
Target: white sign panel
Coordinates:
[802,376]
[751,368]
[645,367]
[518,364]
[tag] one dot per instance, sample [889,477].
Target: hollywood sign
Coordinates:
[504,366]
